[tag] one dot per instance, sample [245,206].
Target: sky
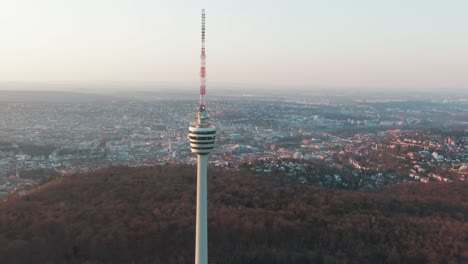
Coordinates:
[368,44]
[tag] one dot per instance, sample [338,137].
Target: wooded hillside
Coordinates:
[147,215]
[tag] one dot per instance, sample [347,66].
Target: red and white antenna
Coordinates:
[203,64]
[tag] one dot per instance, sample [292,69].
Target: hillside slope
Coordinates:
[147,215]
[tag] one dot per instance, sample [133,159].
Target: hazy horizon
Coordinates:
[110,87]
[363,45]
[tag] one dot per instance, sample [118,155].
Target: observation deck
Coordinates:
[202,134]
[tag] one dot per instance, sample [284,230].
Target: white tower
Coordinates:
[202,139]
[17,169]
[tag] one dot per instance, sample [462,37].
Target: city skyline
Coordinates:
[262,45]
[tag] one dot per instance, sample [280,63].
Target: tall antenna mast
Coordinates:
[203,64]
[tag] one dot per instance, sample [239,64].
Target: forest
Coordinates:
[147,215]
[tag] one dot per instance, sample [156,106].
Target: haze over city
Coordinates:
[390,45]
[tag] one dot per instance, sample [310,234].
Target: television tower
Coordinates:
[202,139]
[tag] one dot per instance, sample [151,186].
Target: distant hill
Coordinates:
[53,97]
[147,215]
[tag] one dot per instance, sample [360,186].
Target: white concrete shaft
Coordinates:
[201,237]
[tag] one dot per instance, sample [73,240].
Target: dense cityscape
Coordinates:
[318,140]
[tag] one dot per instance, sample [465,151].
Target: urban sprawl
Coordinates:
[362,144]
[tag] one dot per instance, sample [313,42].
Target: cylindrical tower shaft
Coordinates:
[201,244]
